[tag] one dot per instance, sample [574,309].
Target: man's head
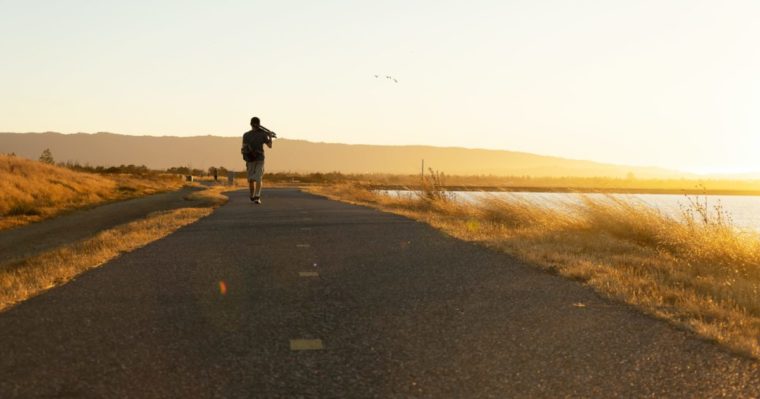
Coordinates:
[255,122]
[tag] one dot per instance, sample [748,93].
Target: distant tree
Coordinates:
[47,157]
[180,170]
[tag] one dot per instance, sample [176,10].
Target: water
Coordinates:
[743,210]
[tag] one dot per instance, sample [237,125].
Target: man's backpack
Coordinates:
[247,152]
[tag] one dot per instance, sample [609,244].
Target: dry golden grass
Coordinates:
[211,196]
[696,271]
[33,191]
[34,275]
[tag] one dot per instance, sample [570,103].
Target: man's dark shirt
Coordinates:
[256,139]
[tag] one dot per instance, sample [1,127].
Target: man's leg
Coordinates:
[259,169]
[249,169]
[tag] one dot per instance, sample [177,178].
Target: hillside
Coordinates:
[303,156]
[31,191]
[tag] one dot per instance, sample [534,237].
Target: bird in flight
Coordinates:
[388,77]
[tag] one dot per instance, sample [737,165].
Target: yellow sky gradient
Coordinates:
[666,83]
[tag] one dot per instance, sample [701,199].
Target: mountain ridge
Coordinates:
[161,152]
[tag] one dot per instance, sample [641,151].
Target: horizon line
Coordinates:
[705,172]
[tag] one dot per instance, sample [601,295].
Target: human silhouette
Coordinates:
[253,154]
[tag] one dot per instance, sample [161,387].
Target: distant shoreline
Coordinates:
[579,190]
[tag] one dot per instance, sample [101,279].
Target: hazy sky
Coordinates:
[663,82]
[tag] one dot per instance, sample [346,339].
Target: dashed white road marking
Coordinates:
[308,274]
[303,245]
[306,344]
[306,228]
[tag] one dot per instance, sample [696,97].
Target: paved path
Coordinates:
[401,311]
[21,242]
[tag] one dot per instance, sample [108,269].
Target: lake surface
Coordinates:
[743,210]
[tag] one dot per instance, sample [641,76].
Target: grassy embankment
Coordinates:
[36,274]
[33,191]
[696,271]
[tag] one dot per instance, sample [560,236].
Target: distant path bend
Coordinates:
[31,239]
[222,307]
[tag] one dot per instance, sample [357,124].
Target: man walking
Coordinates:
[253,154]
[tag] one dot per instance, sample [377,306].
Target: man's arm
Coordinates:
[269,141]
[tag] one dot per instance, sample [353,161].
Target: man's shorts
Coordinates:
[255,170]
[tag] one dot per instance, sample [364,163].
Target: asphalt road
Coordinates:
[400,310]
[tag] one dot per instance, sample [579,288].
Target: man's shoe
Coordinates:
[257,200]
[252,199]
